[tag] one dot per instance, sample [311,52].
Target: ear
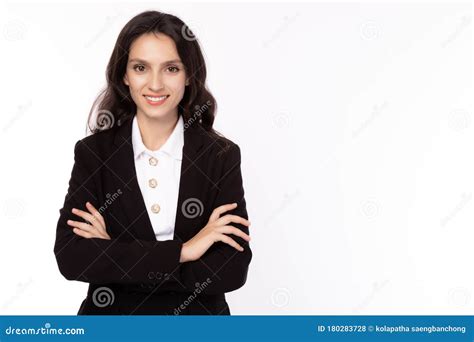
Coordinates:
[125,80]
[187,82]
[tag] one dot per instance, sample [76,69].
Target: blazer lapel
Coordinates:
[122,164]
[184,228]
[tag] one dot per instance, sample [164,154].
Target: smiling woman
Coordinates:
[177,225]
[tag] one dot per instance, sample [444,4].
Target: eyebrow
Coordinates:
[134,60]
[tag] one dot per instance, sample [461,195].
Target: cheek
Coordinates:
[136,83]
[177,85]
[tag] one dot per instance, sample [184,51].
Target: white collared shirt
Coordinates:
[158,175]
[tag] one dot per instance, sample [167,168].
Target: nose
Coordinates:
[156,83]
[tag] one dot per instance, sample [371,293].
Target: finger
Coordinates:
[86,216]
[216,213]
[96,214]
[232,218]
[82,226]
[234,231]
[82,233]
[230,242]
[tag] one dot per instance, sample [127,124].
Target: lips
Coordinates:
[156,100]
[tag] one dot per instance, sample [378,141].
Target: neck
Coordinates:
[155,132]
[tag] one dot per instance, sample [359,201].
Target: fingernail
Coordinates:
[68,221]
[73,209]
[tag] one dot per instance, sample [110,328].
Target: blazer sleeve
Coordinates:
[222,268]
[104,261]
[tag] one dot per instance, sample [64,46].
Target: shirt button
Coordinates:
[153,161]
[152,183]
[155,208]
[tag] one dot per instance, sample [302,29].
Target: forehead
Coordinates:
[154,47]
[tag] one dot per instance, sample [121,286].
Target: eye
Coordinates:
[139,67]
[173,69]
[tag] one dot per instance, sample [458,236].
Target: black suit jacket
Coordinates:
[143,275]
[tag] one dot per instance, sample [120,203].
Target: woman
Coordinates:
[155,218]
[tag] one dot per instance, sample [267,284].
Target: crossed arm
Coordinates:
[220,251]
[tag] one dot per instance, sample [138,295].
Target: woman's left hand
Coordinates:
[95,228]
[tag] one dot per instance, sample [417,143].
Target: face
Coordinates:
[155,76]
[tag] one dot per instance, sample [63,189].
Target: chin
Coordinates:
[155,113]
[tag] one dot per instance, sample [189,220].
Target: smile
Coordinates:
[156,100]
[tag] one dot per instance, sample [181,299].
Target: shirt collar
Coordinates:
[173,147]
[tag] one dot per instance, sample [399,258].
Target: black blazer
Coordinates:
[140,274]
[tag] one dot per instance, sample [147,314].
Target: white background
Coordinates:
[355,125]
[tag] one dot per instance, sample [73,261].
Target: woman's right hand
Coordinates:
[216,229]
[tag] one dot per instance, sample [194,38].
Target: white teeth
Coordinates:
[156,99]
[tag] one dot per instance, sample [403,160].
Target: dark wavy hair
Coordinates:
[114,105]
